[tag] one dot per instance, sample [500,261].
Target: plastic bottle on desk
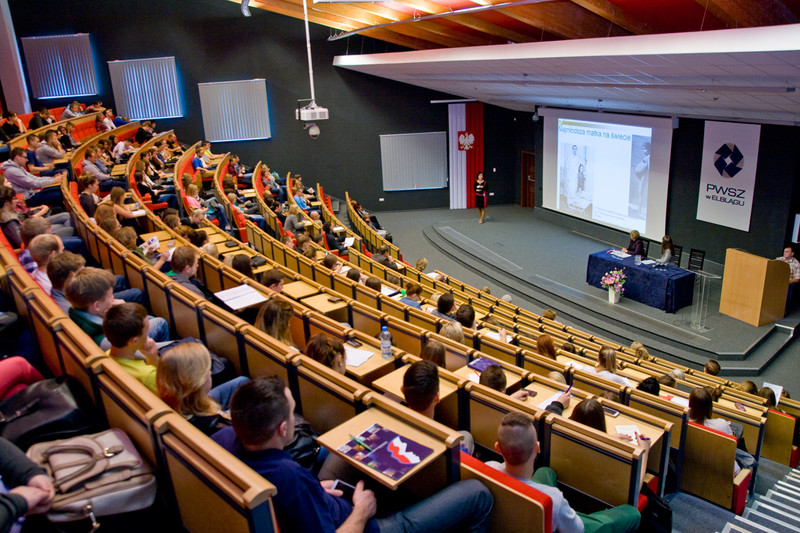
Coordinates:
[386,343]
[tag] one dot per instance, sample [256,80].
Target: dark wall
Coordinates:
[774,204]
[212,41]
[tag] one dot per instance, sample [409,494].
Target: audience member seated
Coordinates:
[73,110]
[749,387]
[127,238]
[649,385]
[413,295]
[40,119]
[606,366]
[373,283]
[711,367]
[384,258]
[123,212]
[453,331]
[273,279]
[334,243]
[328,351]
[421,393]
[184,267]
[240,263]
[433,351]
[466,316]
[354,274]
[701,406]
[183,379]
[91,165]
[13,126]
[331,262]
[211,208]
[59,270]
[43,248]
[144,133]
[12,214]
[25,183]
[445,307]
[67,140]
[274,318]
[157,196]
[262,412]
[545,346]
[91,293]
[127,328]
[640,351]
[518,443]
[292,222]
[494,377]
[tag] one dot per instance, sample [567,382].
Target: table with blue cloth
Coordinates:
[664,287]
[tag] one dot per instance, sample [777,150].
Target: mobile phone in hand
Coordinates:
[347,489]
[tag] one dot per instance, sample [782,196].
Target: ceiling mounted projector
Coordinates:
[312,113]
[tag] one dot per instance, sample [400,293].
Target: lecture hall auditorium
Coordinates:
[682,463]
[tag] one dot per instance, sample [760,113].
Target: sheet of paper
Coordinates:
[139,212]
[629,430]
[355,357]
[676,399]
[348,241]
[621,254]
[474,377]
[777,389]
[649,262]
[337,229]
[549,400]
[388,291]
[492,334]
[241,297]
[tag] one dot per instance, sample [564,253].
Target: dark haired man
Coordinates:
[262,413]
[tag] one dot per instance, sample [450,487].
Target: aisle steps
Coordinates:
[775,511]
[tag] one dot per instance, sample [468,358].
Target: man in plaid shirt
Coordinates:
[794,273]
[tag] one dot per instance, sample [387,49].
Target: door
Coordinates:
[528,197]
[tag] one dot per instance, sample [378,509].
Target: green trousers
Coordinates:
[622,519]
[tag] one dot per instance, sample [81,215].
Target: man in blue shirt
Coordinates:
[262,413]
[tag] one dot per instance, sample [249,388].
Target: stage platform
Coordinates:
[535,257]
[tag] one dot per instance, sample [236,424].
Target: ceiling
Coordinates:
[728,59]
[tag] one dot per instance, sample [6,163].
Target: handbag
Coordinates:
[46,410]
[657,514]
[95,475]
[304,448]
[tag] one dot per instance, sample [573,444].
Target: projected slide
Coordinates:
[603,172]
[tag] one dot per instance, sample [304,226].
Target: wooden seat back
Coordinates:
[211,490]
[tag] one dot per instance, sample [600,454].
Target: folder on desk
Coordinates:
[385,451]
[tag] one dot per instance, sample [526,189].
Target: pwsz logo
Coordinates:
[728,160]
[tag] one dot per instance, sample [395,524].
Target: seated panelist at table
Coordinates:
[667,249]
[636,246]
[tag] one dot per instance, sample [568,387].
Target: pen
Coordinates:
[360,443]
[568,389]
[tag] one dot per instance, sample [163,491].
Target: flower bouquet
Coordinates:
[614,281]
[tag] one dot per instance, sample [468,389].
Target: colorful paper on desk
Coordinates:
[391,454]
[240,297]
[481,363]
[355,357]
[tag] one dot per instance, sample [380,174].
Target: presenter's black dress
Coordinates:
[480,194]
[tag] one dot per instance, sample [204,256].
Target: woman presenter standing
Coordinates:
[480,195]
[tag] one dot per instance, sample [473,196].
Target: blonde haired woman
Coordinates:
[184,383]
[606,366]
[274,319]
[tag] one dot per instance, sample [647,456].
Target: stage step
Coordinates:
[775,511]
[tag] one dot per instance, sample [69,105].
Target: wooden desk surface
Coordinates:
[392,383]
[118,170]
[373,365]
[340,435]
[298,289]
[320,303]
[161,235]
[545,391]
[473,375]
[749,409]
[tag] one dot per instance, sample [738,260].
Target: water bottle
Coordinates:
[386,343]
